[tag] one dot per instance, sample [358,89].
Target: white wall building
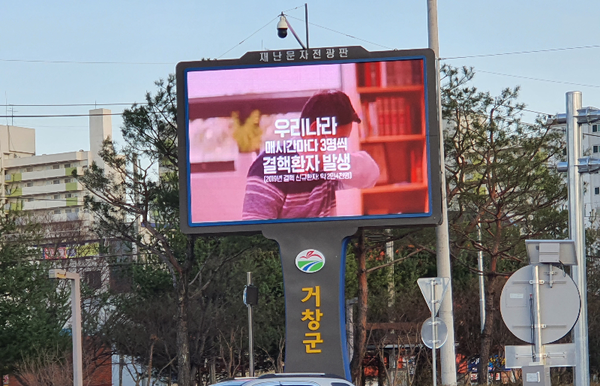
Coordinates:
[43,184]
[591,147]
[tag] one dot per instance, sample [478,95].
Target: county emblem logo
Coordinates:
[310,261]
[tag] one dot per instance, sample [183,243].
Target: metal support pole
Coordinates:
[250,331]
[434,336]
[294,33]
[447,351]
[75,321]
[121,364]
[577,233]
[389,254]
[76,331]
[306,21]
[481,285]
[537,317]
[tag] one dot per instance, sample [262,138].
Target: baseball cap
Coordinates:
[330,104]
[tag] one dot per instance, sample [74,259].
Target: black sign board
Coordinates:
[333,135]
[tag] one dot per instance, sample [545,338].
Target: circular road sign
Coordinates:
[559,303]
[427,333]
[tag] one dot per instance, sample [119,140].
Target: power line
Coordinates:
[522,52]
[342,33]
[293,9]
[31,199]
[537,79]
[254,33]
[41,61]
[62,127]
[73,104]
[536,112]
[57,115]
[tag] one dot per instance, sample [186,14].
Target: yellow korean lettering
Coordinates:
[316,292]
[311,344]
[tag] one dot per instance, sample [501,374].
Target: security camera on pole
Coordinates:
[283,25]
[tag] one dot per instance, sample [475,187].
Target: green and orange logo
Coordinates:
[310,261]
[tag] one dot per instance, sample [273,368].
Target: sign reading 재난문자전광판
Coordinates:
[325,134]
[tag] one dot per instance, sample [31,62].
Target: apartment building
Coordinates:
[591,147]
[42,185]
[589,124]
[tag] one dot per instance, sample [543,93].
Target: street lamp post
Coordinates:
[75,319]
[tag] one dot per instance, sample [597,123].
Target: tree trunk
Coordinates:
[381,371]
[194,376]
[183,348]
[150,361]
[184,376]
[486,335]
[360,337]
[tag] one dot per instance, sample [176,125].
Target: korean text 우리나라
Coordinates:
[301,127]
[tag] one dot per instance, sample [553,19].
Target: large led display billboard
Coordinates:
[299,136]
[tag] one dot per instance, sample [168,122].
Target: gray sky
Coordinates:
[83,52]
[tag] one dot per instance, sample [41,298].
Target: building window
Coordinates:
[56,196]
[29,169]
[68,195]
[30,200]
[56,182]
[120,280]
[57,211]
[67,180]
[594,128]
[93,279]
[67,166]
[55,166]
[29,184]
[596,190]
[67,210]
[595,149]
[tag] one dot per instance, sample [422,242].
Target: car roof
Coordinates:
[234,382]
[289,379]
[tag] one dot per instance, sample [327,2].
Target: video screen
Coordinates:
[297,142]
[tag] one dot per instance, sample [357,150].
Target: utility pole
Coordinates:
[577,234]
[250,299]
[447,352]
[481,282]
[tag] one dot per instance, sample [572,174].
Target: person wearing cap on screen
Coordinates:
[308,199]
